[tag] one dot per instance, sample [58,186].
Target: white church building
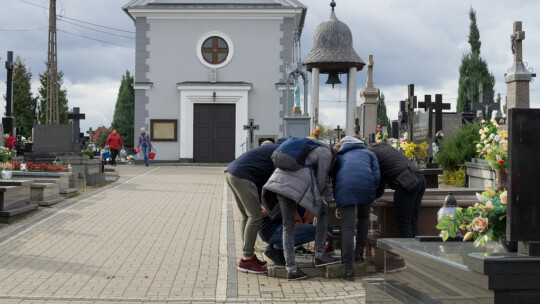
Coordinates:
[204,69]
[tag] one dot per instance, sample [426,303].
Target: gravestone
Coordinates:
[411,104]
[403,118]
[485,105]
[395,129]
[523,219]
[76,116]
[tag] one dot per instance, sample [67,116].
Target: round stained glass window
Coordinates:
[215,50]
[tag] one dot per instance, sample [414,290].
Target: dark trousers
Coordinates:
[114,154]
[348,216]
[407,207]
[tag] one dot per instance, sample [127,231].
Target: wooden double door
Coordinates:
[214,133]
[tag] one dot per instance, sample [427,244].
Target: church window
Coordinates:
[215,50]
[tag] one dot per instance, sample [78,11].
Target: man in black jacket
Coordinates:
[246,176]
[402,175]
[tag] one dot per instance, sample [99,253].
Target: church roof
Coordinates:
[332,47]
[214,3]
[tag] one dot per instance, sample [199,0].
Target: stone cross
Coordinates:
[515,39]
[90,133]
[356,126]
[9,121]
[438,106]
[76,116]
[338,130]
[370,65]
[411,105]
[251,127]
[485,103]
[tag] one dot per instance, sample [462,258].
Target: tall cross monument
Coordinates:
[369,95]
[518,78]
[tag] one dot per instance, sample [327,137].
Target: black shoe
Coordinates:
[275,255]
[326,260]
[147,165]
[303,250]
[297,275]
[359,256]
[349,275]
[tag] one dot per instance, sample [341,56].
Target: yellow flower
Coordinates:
[467,236]
[483,137]
[481,132]
[488,207]
[486,129]
[490,191]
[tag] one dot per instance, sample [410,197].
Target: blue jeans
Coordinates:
[146,151]
[302,235]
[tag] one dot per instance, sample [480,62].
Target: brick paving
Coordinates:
[167,234]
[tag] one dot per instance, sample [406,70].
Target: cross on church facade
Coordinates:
[251,127]
[411,105]
[76,116]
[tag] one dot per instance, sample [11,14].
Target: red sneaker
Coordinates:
[330,248]
[256,259]
[250,266]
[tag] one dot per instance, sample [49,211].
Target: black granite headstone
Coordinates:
[523,222]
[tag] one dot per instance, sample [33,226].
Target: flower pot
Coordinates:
[501,180]
[509,246]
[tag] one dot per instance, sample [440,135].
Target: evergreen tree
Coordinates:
[23,101]
[124,112]
[62,99]
[476,68]
[385,121]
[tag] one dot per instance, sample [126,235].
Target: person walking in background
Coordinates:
[246,176]
[356,177]
[114,142]
[145,144]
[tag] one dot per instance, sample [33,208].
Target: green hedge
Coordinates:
[460,148]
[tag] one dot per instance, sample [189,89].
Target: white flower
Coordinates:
[497,138]
[480,198]
[481,132]
[492,136]
[483,121]
[485,142]
[486,129]
[487,146]
[489,151]
[483,137]
[479,146]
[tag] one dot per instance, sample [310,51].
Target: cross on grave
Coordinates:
[9,121]
[438,106]
[485,103]
[515,39]
[76,116]
[338,130]
[251,127]
[411,104]
[90,133]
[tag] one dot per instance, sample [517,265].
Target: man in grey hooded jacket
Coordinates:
[306,187]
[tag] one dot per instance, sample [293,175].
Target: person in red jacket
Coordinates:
[114,142]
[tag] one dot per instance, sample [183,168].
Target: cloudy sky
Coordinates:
[413,41]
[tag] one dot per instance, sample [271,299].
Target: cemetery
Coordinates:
[182,225]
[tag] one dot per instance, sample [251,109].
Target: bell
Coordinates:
[333,79]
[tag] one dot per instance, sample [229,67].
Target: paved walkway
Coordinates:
[157,235]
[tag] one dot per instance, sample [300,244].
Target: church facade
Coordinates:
[207,73]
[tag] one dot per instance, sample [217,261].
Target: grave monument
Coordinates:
[367,112]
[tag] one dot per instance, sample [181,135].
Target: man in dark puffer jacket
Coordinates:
[245,176]
[409,184]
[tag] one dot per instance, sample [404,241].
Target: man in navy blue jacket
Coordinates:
[246,176]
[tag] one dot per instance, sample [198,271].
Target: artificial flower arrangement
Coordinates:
[38,167]
[414,151]
[317,132]
[493,145]
[484,221]
[6,154]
